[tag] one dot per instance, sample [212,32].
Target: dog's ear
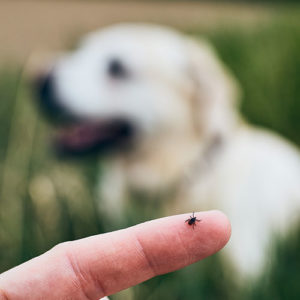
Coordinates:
[215,91]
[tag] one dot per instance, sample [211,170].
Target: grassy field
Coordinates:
[44,200]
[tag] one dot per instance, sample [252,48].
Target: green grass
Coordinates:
[44,201]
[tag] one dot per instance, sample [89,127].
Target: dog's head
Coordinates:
[130,82]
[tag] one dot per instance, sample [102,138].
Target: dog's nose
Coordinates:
[45,91]
[47,95]
[44,83]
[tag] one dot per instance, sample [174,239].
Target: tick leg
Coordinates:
[198,220]
[186,220]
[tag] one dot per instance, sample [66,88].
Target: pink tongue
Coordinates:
[82,136]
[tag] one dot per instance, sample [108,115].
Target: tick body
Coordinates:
[192,220]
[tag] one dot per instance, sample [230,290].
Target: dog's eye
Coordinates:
[116,69]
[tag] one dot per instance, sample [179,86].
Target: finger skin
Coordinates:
[102,265]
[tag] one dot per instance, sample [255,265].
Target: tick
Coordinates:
[192,220]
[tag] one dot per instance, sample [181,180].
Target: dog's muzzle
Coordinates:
[81,136]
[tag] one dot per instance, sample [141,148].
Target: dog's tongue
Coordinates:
[84,137]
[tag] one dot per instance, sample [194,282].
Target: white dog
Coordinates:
[170,107]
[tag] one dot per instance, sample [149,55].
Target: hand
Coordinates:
[104,264]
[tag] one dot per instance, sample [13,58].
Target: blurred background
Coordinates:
[45,200]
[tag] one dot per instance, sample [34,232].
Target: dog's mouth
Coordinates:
[85,137]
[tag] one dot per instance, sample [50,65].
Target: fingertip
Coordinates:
[208,236]
[222,227]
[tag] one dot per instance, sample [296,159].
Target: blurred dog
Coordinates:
[169,107]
